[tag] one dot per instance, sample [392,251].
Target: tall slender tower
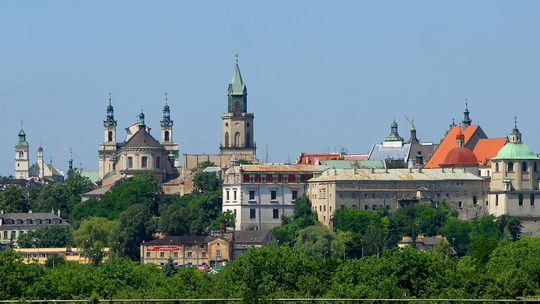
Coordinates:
[107,148]
[22,159]
[237,135]
[167,134]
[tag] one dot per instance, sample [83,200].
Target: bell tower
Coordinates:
[107,148]
[237,136]
[167,133]
[22,160]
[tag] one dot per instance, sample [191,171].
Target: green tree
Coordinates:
[290,227]
[50,236]
[457,232]
[93,235]
[509,226]
[13,199]
[315,241]
[206,182]
[15,276]
[135,226]
[169,269]
[54,261]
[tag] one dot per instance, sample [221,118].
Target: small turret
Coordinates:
[466,119]
[141,120]
[394,135]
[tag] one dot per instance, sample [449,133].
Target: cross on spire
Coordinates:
[110,97]
[166,98]
[236,55]
[515,121]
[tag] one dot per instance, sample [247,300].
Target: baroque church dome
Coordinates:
[460,156]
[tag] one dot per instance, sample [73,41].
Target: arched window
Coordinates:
[226,139]
[237,139]
[109,136]
[144,162]
[532,199]
[511,167]
[520,199]
[524,167]
[496,167]
[21,154]
[248,140]
[474,200]
[130,162]
[166,136]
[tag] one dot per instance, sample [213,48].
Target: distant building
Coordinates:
[423,243]
[259,195]
[370,189]
[245,240]
[12,225]
[40,171]
[237,135]
[139,152]
[210,250]
[398,153]
[474,139]
[514,187]
[316,158]
[69,254]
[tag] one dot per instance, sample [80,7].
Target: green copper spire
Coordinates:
[141,118]
[166,121]
[109,121]
[237,86]
[22,136]
[237,92]
[515,148]
[466,119]
[393,136]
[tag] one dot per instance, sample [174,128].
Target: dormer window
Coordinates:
[19,222]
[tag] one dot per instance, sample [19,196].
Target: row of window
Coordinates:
[273,195]
[275,178]
[520,200]
[510,167]
[189,254]
[144,162]
[30,221]
[253,213]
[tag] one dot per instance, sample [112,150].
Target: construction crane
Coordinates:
[411,123]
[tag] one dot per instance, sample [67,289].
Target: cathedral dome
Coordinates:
[515,151]
[460,156]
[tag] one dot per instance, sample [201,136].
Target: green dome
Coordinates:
[515,151]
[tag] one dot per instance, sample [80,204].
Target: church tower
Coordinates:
[167,133]
[22,160]
[237,135]
[107,148]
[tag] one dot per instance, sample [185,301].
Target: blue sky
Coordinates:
[321,75]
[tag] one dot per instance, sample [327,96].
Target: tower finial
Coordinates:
[236,55]
[166,98]
[22,124]
[515,121]
[110,98]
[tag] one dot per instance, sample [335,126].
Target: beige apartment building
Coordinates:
[370,189]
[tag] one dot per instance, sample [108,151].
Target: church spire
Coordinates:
[166,121]
[141,119]
[22,136]
[515,135]
[237,92]
[466,119]
[109,121]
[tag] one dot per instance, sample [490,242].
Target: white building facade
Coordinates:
[259,195]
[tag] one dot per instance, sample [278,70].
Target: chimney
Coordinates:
[58,212]
[419,170]
[372,170]
[442,169]
[410,170]
[222,226]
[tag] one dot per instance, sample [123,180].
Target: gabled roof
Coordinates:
[380,152]
[142,139]
[449,142]
[254,236]
[487,148]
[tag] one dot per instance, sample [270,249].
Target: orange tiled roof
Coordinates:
[448,143]
[487,148]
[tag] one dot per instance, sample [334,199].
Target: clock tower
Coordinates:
[237,135]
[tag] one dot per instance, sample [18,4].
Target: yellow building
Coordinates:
[70,254]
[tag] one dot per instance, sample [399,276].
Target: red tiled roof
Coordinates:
[448,143]
[487,148]
[312,158]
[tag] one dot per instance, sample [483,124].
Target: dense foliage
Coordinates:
[511,270]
